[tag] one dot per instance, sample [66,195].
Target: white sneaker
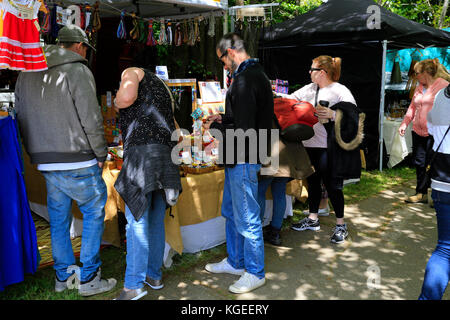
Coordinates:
[223,267]
[322,212]
[246,283]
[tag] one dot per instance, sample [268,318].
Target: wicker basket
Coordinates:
[199,170]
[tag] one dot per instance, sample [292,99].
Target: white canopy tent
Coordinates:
[168,9]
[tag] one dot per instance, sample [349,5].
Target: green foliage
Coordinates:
[198,71]
[426,12]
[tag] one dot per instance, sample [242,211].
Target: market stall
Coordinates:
[358,31]
[195,223]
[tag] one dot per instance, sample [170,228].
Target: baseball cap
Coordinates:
[73,33]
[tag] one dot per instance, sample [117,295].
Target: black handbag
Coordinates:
[427,177]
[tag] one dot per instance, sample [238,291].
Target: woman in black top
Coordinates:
[149,181]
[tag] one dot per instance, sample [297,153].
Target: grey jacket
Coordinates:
[58,112]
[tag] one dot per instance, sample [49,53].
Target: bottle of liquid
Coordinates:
[325,104]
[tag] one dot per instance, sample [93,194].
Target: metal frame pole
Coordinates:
[381,113]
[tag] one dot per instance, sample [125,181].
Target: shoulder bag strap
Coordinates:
[434,155]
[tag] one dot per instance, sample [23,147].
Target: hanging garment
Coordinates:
[96,22]
[169,33]
[20,47]
[121,32]
[134,33]
[151,39]
[178,35]
[162,34]
[143,31]
[212,26]
[18,243]
[46,22]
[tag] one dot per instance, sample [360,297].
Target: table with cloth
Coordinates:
[193,224]
[397,147]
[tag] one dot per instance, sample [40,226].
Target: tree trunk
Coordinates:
[443,14]
[239,2]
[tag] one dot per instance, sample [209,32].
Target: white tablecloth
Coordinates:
[397,147]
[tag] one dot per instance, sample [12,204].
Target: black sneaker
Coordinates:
[272,235]
[340,233]
[306,224]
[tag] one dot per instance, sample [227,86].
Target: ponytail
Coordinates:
[331,65]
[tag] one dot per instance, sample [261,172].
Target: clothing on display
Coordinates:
[20,47]
[18,243]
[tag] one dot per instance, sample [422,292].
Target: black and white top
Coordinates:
[150,118]
[147,126]
[438,120]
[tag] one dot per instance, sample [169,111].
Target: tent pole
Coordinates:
[225,31]
[381,114]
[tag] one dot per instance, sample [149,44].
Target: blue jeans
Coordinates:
[243,229]
[278,187]
[437,272]
[145,242]
[88,189]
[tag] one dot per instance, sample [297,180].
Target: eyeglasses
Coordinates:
[225,54]
[315,69]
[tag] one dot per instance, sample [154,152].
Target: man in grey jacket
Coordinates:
[62,130]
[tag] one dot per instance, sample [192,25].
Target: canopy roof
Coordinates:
[341,21]
[155,8]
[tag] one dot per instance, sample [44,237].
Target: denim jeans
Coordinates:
[437,272]
[243,228]
[88,189]
[145,242]
[278,188]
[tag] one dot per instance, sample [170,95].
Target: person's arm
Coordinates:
[129,85]
[409,116]
[297,95]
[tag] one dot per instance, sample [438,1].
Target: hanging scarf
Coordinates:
[212,26]
[196,30]
[121,32]
[82,17]
[191,38]
[185,32]
[143,31]
[151,39]
[46,21]
[162,33]
[88,23]
[134,33]
[169,33]
[244,65]
[178,35]
[96,23]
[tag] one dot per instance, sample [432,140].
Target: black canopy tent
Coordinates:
[358,31]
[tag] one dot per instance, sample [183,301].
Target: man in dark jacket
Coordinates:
[246,123]
[62,130]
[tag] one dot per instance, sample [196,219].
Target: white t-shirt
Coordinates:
[333,93]
[66,166]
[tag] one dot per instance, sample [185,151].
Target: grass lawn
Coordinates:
[40,286]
